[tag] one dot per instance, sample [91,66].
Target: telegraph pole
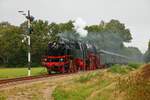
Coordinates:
[29,20]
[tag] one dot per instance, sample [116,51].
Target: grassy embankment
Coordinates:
[116,83]
[20,72]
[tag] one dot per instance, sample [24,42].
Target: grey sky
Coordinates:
[134,13]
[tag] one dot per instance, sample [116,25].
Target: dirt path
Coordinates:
[47,93]
[40,90]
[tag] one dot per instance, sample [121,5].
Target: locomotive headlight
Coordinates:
[61,60]
[45,59]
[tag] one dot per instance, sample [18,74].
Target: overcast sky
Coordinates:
[135,14]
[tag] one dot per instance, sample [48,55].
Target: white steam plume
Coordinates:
[79,26]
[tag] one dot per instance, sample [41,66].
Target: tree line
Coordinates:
[147,54]
[14,53]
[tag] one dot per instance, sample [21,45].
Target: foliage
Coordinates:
[120,29]
[113,26]
[149,45]
[133,53]
[10,44]
[120,69]
[94,28]
[134,65]
[147,54]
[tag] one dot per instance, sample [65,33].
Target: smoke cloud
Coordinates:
[79,26]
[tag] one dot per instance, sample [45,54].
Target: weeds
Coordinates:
[85,78]
[135,87]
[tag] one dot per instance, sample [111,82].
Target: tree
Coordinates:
[120,29]
[96,28]
[10,42]
[114,26]
[66,27]
[149,45]
[147,54]
[133,53]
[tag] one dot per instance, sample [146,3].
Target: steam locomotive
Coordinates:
[66,55]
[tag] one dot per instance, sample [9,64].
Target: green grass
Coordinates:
[81,88]
[100,85]
[79,93]
[20,72]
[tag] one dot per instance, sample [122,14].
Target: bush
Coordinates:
[120,69]
[134,65]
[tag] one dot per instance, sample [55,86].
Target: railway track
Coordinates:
[5,81]
[20,80]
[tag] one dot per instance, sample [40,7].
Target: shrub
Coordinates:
[134,65]
[135,87]
[119,69]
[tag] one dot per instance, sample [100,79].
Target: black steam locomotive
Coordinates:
[68,55]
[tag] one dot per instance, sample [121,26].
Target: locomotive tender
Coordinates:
[67,55]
